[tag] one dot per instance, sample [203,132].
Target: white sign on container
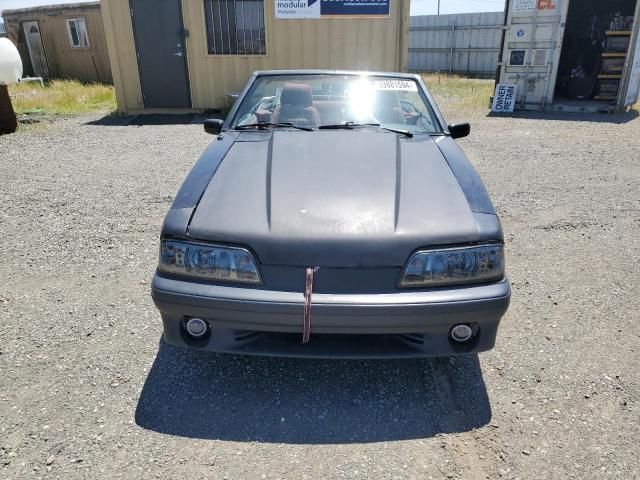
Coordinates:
[524,5]
[504,100]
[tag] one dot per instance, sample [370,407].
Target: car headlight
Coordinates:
[213,262]
[432,268]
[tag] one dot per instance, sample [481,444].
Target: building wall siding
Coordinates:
[85,64]
[118,29]
[338,43]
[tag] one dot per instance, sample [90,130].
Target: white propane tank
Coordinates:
[10,62]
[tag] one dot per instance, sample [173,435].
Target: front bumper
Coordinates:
[263,322]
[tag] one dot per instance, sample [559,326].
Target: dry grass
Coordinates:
[62,97]
[459,96]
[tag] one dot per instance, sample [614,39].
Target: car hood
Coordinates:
[334,198]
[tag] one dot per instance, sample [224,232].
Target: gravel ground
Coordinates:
[88,389]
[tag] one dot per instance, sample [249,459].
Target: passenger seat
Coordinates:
[296,106]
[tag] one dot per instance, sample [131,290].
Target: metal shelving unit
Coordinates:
[608,75]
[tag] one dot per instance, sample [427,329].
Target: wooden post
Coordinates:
[8,120]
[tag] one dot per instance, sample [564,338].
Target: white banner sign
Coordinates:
[288,9]
[504,100]
[297,8]
[524,5]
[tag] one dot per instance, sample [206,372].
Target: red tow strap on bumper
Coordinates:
[308,292]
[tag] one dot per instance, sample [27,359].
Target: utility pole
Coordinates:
[438,7]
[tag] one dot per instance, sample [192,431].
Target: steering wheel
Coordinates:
[415,116]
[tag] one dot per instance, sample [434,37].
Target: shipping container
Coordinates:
[572,55]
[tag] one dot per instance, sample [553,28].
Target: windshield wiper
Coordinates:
[265,125]
[352,125]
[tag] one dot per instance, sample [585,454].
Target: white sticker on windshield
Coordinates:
[398,85]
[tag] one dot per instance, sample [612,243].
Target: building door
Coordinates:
[36,49]
[162,56]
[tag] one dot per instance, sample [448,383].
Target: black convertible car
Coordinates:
[333,215]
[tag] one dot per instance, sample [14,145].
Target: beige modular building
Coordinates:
[61,41]
[186,55]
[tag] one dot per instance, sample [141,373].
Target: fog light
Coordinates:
[196,327]
[461,333]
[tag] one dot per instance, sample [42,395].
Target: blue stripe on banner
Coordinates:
[354,7]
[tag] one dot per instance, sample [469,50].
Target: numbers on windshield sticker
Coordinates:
[397,85]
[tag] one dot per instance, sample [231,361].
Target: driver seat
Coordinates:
[296,106]
[387,108]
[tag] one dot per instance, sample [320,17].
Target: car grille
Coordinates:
[333,280]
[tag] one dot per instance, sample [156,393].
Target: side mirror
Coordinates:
[213,126]
[459,130]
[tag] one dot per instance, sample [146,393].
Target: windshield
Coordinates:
[316,101]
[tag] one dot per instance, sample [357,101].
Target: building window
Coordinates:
[77,29]
[235,27]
